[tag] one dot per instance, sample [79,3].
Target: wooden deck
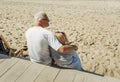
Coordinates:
[18,70]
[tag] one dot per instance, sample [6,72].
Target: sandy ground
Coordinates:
[92,25]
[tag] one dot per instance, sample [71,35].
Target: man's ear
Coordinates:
[40,22]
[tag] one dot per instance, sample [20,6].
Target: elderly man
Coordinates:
[39,39]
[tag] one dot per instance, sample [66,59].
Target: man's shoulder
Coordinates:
[33,29]
[41,30]
[47,32]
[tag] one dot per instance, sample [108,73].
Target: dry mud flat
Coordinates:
[92,25]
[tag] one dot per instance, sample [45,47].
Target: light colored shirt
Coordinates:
[68,60]
[38,40]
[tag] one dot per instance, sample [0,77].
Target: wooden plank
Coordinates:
[79,77]
[6,65]
[88,77]
[110,79]
[1,60]
[15,71]
[47,75]
[94,79]
[66,75]
[31,73]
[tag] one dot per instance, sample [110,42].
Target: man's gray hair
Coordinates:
[39,16]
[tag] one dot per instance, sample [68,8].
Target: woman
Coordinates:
[69,60]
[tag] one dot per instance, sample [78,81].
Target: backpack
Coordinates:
[3,50]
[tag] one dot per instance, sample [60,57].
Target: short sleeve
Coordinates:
[53,41]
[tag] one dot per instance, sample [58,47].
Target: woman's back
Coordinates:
[68,60]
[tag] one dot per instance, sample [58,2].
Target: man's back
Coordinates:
[38,45]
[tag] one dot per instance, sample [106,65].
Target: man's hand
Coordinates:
[67,48]
[75,47]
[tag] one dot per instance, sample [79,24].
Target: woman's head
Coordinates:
[62,38]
